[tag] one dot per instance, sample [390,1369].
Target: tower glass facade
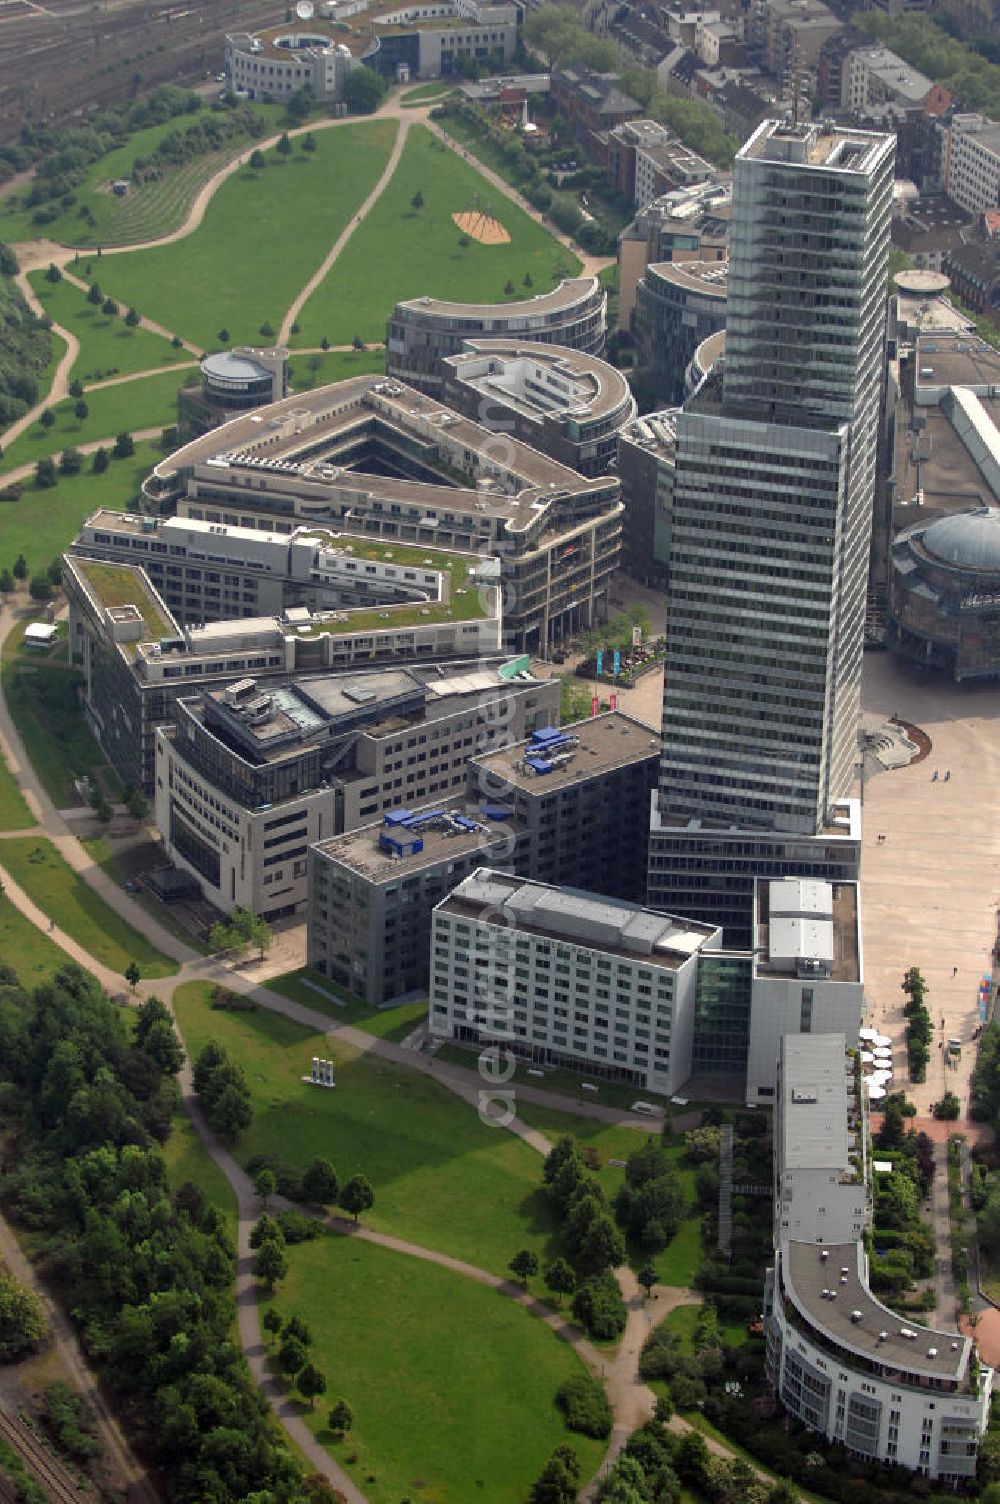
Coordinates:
[775,474]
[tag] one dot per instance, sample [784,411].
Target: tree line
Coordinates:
[145,1273]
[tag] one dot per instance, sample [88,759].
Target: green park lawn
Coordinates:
[130,406]
[153,209]
[41,697]
[400,252]
[42,523]
[263,236]
[188,1160]
[307,371]
[436,89]
[108,347]
[33,956]
[452,1385]
[442,1178]
[343,1007]
[682,1321]
[81,913]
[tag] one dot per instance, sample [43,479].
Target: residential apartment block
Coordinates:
[885,1387]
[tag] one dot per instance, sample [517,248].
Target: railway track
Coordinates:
[56,1479]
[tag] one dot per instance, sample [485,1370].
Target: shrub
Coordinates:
[585,1405]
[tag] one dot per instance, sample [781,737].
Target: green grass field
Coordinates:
[682,1321]
[42,523]
[77,910]
[108,347]
[281,221]
[188,1159]
[400,252]
[436,89]
[148,211]
[442,1178]
[41,698]
[33,955]
[146,402]
[307,371]
[452,1385]
[128,860]
[342,1007]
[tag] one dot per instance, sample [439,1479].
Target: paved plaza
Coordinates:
[930,891]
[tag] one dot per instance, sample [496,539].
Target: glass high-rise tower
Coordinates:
[771,524]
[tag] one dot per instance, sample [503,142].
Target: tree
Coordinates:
[40,589]
[509,289]
[45,474]
[647,1278]
[357,343]
[7,582]
[47,417]
[81,410]
[267,330]
[257,160]
[311,1382]
[137,804]
[110,308]
[292,1354]
[559,1480]
[270,1265]
[23,1327]
[75,388]
[284,146]
[54,571]
[232,1113]
[132,318]
[309,142]
[603,1246]
[124,446]
[363,91]
[20,568]
[223,336]
[265,1184]
[271,1321]
[53,274]
[266,1230]
[296,1327]
[464,242]
[132,974]
[70,462]
[324,343]
[702,1144]
[560,1279]
[341,1418]
[319,1183]
[100,461]
[357,1195]
[529,281]
[524,1265]
[94,294]
[417,201]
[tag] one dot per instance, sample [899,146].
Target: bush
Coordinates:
[585,1405]
[23,1327]
[948,1108]
[599,1308]
[68,1422]
[297,1228]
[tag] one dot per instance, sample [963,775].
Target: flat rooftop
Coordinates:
[839,149]
[956,360]
[571,290]
[710,279]
[814,1102]
[603,742]
[841,915]
[598,389]
[361,852]
[579,918]
[115,586]
[655,432]
[854,1320]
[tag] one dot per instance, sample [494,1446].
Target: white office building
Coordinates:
[775,475]
[971,168]
[808,976]
[881,1385]
[562,977]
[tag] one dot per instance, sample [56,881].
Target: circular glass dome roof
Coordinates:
[969,540]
